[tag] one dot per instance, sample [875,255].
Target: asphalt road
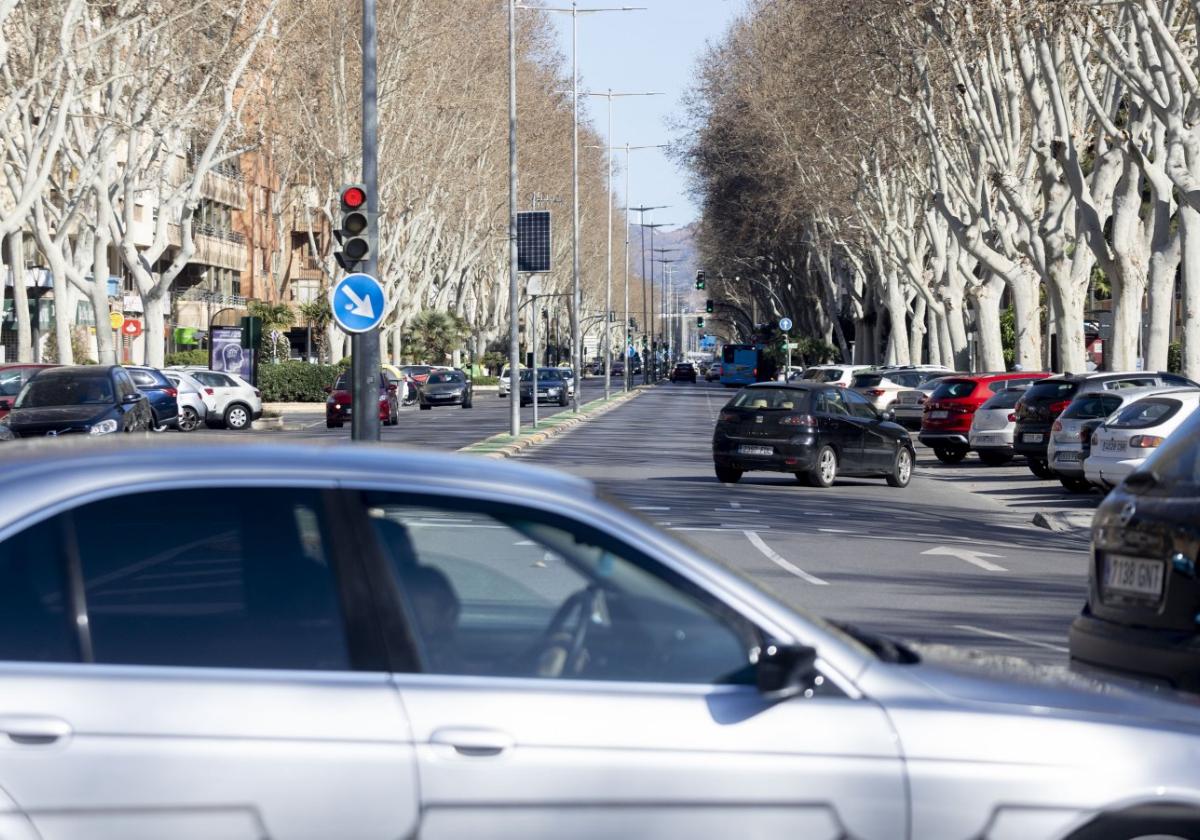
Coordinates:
[443,427]
[952,559]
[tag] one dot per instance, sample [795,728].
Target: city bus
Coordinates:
[741,364]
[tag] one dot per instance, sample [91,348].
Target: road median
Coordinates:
[506,446]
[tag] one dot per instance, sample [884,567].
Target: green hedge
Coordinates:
[188,357]
[295,381]
[486,380]
[1175,358]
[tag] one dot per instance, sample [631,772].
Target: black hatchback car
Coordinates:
[87,400]
[1142,615]
[815,431]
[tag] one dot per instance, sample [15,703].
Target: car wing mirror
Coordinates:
[130,399]
[887,416]
[784,671]
[328,389]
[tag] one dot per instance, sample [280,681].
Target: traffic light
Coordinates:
[354,232]
[708,306]
[700,323]
[700,281]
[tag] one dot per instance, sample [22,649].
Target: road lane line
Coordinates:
[736,510]
[997,634]
[834,531]
[975,558]
[769,553]
[649,507]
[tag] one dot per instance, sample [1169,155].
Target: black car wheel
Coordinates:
[1040,468]
[426,407]
[237,417]
[728,475]
[995,459]
[1076,485]
[562,400]
[948,455]
[825,468]
[333,424]
[466,403]
[901,472]
[189,420]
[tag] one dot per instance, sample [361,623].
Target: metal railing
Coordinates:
[219,233]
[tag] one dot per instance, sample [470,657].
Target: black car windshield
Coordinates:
[550,375]
[771,399]
[951,388]
[1051,391]
[1146,413]
[443,378]
[1088,407]
[61,390]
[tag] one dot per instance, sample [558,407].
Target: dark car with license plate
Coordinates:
[445,387]
[162,394]
[79,400]
[1142,615]
[551,387]
[1046,400]
[683,373]
[815,431]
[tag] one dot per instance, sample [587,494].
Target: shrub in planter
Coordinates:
[295,381]
[187,357]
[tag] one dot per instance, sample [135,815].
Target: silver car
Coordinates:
[1071,434]
[364,642]
[192,399]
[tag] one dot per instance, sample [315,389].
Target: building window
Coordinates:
[235,284]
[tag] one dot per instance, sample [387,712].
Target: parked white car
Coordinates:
[1124,442]
[883,386]
[194,399]
[839,375]
[1071,435]
[236,403]
[993,426]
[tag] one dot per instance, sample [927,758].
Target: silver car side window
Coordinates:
[493,593]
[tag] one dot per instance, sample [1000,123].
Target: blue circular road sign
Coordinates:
[358,303]
[785,324]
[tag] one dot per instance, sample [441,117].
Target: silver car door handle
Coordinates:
[470,741]
[34,730]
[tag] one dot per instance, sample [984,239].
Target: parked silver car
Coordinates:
[364,642]
[1071,434]
[192,398]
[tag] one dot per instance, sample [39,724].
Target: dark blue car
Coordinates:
[161,393]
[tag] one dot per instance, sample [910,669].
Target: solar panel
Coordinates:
[533,241]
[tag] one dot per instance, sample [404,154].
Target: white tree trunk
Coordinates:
[155,315]
[16,260]
[1189,222]
[987,322]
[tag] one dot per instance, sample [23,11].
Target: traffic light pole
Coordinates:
[364,347]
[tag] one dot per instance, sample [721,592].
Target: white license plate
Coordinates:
[755,450]
[986,439]
[938,415]
[1033,438]
[1113,446]
[1133,575]
[1068,456]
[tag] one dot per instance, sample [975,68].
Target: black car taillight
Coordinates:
[171,392]
[728,417]
[805,420]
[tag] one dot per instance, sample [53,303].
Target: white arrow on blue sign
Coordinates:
[785,324]
[358,303]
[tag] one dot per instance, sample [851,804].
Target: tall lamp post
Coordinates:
[609,95]
[667,274]
[576,290]
[662,308]
[642,211]
[652,227]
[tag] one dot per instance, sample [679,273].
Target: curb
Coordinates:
[534,438]
[1064,522]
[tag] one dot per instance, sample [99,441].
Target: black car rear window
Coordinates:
[1091,407]
[772,399]
[952,388]
[866,380]
[343,382]
[1049,391]
[1005,399]
[1146,413]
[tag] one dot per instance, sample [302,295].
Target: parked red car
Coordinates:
[12,378]
[339,408]
[950,409]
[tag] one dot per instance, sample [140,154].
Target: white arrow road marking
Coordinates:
[975,558]
[769,553]
[359,305]
[997,634]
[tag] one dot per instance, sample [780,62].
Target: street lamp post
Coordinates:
[641,211]
[653,227]
[576,290]
[662,309]
[608,274]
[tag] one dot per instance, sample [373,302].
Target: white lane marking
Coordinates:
[815,513]
[736,510]
[525,542]
[975,558]
[834,531]
[997,634]
[649,507]
[769,553]
[735,504]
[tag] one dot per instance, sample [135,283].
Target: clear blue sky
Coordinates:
[652,50]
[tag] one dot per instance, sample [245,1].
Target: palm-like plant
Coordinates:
[433,335]
[276,318]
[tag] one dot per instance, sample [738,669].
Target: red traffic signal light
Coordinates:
[353,198]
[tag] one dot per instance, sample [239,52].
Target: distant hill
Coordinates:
[683,271]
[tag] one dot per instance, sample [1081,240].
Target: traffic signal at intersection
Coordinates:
[700,281]
[354,231]
[700,323]
[708,306]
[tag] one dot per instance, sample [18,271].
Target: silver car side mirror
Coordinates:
[784,671]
